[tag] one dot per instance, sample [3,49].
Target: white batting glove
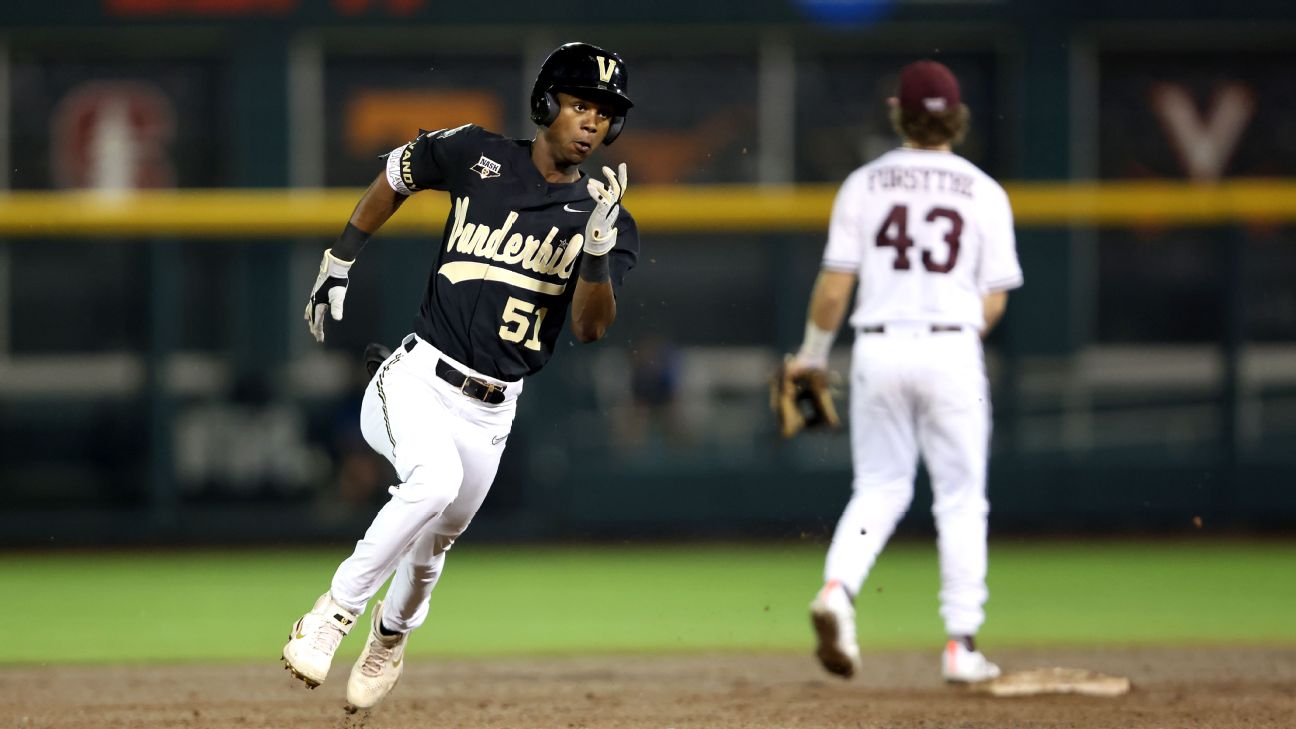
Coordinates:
[600,231]
[328,293]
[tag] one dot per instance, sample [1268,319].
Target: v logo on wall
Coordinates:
[1204,143]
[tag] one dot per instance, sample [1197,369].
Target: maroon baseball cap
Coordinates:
[928,86]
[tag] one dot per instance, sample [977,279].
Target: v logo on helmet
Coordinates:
[607,67]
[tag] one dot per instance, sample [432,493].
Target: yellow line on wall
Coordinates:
[665,209]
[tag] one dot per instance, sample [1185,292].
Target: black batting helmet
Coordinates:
[585,70]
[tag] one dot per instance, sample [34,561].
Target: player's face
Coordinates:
[580,127]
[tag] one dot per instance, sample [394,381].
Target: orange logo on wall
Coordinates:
[113,135]
[378,121]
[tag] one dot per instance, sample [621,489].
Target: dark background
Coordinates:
[1144,379]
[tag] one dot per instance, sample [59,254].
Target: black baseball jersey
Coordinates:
[504,273]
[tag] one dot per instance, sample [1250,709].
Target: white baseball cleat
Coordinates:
[315,638]
[833,617]
[379,667]
[960,664]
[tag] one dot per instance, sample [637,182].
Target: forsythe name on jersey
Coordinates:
[927,179]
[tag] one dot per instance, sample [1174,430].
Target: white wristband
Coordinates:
[334,266]
[816,346]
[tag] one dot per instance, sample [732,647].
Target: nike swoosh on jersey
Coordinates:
[569,209]
[498,439]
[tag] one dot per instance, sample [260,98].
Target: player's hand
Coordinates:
[801,398]
[600,231]
[794,367]
[328,293]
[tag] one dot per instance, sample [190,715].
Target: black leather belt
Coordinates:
[880,328]
[468,386]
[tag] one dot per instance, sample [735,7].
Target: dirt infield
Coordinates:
[1172,688]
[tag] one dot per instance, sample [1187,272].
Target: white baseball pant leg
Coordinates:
[954,425]
[418,422]
[884,451]
[406,606]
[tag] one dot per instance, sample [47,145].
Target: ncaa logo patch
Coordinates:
[486,167]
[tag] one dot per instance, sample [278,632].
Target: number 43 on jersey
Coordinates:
[894,233]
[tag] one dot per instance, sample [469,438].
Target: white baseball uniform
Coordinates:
[928,234]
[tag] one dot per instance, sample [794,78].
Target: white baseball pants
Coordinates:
[446,448]
[915,391]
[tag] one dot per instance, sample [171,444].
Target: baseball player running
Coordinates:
[930,238]
[529,236]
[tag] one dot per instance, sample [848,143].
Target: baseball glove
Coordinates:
[803,402]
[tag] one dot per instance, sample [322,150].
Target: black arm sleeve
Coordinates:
[349,244]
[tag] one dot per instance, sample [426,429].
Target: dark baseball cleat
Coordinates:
[374,355]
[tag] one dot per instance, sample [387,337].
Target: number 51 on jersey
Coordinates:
[517,324]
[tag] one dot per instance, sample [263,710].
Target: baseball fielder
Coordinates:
[529,237]
[930,239]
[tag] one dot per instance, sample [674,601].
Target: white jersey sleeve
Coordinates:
[844,251]
[999,269]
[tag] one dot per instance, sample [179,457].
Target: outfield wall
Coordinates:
[191,404]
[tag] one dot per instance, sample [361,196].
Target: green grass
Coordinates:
[216,605]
